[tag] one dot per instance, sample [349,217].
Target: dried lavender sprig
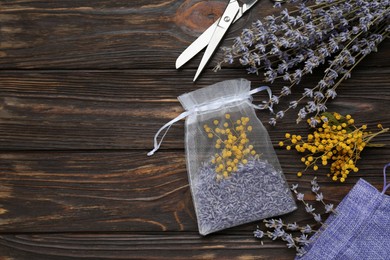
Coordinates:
[243,44]
[278,233]
[317,105]
[345,21]
[322,84]
[331,90]
[278,223]
[315,188]
[278,229]
[308,207]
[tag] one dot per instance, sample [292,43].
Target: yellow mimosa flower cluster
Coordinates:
[232,143]
[336,141]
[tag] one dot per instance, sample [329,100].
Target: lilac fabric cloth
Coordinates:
[360,230]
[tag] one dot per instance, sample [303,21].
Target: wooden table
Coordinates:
[85,85]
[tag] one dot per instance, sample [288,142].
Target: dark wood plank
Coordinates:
[47,110]
[127,191]
[113,34]
[84,86]
[186,245]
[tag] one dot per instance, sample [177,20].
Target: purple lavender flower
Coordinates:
[307,229]
[252,70]
[313,122]
[303,240]
[328,208]
[291,45]
[280,114]
[258,233]
[275,99]
[247,37]
[302,113]
[315,188]
[292,226]
[318,95]
[286,91]
[319,197]
[317,217]
[309,208]
[286,76]
[301,251]
[272,121]
[331,93]
[244,60]
[277,4]
[294,187]
[278,232]
[311,106]
[308,92]
[290,241]
[270,76]
[293,104]
[300,196]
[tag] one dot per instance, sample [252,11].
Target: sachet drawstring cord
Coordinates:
[209,106]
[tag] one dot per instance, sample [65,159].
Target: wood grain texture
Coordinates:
[104,34]
[141,246]
[85,85]
[125,191]
[124,109]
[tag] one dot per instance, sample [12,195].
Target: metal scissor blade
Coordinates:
[217,36]
[203,40]
[223,25]
[199,44]
[244,8]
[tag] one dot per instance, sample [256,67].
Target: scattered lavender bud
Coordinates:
[300,196]
[315,188]
[303,240]
[270,223]
[292,226]
[290,241]
[307,229]
[331,93]
[286,91]
[301,251]
[294,187]
[313,122]
[278,232]
[309,208]
[258,233]
[319,197]
[277,5]
[279,223]
[280,114]
[272,121]
[317,217]
[328,208]
[293,104]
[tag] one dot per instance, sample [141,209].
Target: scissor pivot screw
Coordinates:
[226,19]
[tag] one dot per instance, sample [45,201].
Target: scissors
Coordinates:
[213,35]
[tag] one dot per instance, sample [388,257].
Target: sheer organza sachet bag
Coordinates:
[234,174]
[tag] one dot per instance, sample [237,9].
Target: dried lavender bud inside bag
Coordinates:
[255,191]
